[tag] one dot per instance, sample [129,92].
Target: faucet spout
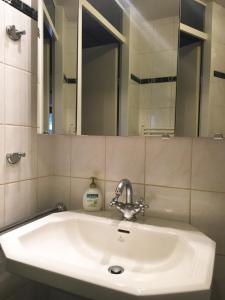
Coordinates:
[125,184]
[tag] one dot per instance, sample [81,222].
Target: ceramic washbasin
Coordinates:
[73,252]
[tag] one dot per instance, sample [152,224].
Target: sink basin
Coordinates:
[74,251]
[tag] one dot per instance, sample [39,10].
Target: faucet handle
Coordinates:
[143,206]
[113,202]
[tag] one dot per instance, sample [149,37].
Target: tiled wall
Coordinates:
[217,103]
[19,184]
[70,67]
[213,104]
[153,54]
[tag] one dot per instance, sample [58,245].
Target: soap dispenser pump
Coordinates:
[92,199]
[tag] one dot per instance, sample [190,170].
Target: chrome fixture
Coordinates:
[116,270]
[218,137]
[129,209]
[13,33]
[14,158]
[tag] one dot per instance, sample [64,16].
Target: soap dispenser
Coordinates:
[92,199]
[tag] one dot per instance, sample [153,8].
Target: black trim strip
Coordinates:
[219,74]
[24,8]
[70,80]
[135,78]
[153,80]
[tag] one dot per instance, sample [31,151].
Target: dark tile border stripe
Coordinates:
[24,8]
[219,74]
[70,80]
[153,80]
[135,78]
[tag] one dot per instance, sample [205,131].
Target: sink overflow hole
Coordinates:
[116,270]
[124,231]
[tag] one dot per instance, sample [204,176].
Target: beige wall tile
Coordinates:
[78,188]
[52,190]
[61,190]
[18,54]
[45,198]
[2,94]
[164,63]
[18,104]
[2,155]
[125,158]
[161,96]
[62,155]
[110,187]
[208,165]
[2,206]
[219,279]
[207,214]
[218,23]
[45,155]
[20,200]
[168,162]
[2,30]
[168,203]
[21,139]
[88,157]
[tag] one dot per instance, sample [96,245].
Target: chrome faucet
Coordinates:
[129,209]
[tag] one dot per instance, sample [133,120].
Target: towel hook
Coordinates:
[13,33]
[14,158]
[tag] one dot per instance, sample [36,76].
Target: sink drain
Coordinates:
[116,270]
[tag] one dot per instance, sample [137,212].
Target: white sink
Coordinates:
[73,251]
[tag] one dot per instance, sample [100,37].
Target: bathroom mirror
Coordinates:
[138,67]
[57,66]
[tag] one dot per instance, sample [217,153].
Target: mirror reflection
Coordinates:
[137,67]
[100,78]
[59,67]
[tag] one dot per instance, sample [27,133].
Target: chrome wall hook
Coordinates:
[14,158]
[13,33]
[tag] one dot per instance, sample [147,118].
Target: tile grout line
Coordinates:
[4,192]
[145,161]
[191,167]
[105,158]
[109,180]
[20,69]
[70,177]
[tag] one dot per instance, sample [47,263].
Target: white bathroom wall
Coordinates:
[153,54]
[21,185]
